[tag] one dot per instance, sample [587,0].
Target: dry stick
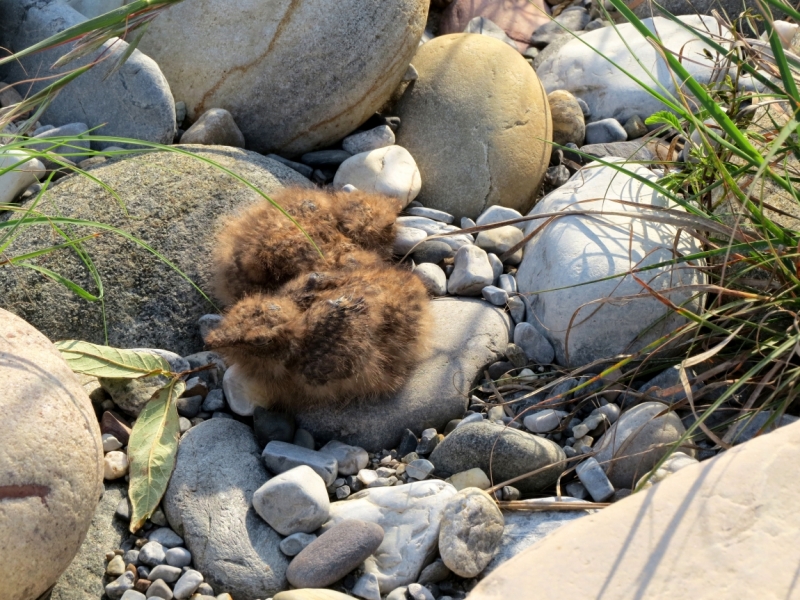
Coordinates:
[522,505]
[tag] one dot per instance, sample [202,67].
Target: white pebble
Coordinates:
[110,443]
[115,465]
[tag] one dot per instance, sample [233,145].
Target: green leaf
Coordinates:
[104,361]
[663,116]
[151,451]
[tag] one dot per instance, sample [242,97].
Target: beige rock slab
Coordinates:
[726,528]
[51,462]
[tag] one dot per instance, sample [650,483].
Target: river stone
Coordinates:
[518,18]
[209,504]
[579,68]
[135,102]
[637,441]
[469,335]
[572,253]
[514,453]
[568,123]
[729,524]
[471,529]
[410,516]
[477,103]
[296,75]
[48,491]
[311,594]
[175,201]
[338,551]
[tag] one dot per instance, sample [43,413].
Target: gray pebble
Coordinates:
[544,421]
[557,176]
[471,273]
[351,459]
[433,277]
[467,223]
[372,139]
[179,557]
[131,557]
[495,295]
[587,112]
[325,158]
[594,480]
[610,410]
[152,554]
[187,584]
[134,595]
[168,573]
[280,457]
[605,131]
[342,492]
[189,407]
[215,400]
[398,594]
[516,306]
[473,418]
[120,585]
[497,266]
[419,469]
[434,573]
[304,170]
[294,544]
[205,590]
[508,283]
[427,442]
[432,251]
[635,127]
[431,213]
[576,489]
[536,347]
[159,589]
[498,214]
[142,572]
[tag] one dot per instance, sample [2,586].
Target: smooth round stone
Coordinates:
[433,277]
[166,537]
[472,272]
[406,238]
[498,214]
[334,554]
[178,557]
[535,345]
[432,251]
[215,127]
[236,392]
[168,573]
[159,589]
[391,171]
[419,469]
[187,584]
[477,115]
[494,295]
[117,588]
[470,533]
[367,587]
[544,421]
[605,131]
[364,141]
[500,240]
[514,453]
[508,283]
[295,543]
[351,459]
[152,554]
[15,181]
[568,124]
[309,74]
[133,595]
[294,501]
[115,465]
[115,567]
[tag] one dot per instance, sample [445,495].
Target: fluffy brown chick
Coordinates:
[260,249]
[327,337]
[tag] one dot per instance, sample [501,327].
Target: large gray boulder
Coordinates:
[135,102]
[587,319]
[48,489]
[295,74]
[466,335]
[174,203]
[580,68]
[209,504]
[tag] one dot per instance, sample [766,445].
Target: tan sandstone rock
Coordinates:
[725,528]
[51,462]
[568,122]
[295,74]
[476,122]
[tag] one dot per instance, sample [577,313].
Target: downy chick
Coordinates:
[327,337]
[260,249]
